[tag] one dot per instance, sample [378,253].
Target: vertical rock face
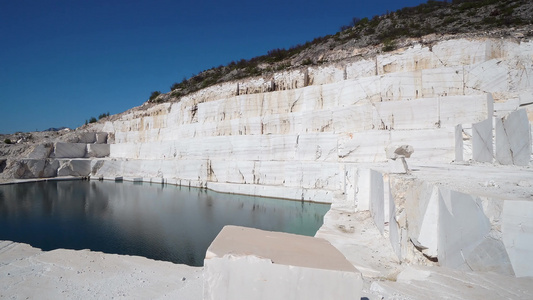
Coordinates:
[513,139]
[338,115]
[320,134]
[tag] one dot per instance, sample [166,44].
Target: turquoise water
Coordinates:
[156,221]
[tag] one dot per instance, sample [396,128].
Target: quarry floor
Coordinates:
[29,273]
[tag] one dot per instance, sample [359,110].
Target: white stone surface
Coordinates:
[462,226]
[101,137]
[394,230]
[422,282]
[246,263]
[363,185]
[98,150]
[517,230]
[69,150]
[398,166]
[377,201]
[86,137]
[29,273]
[513,139]
[459,143]
[74,167]
[41,151]
[427,238]
[482,145]
[35,168]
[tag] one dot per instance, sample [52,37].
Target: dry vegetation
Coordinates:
[386,31]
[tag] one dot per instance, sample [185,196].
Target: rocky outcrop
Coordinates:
[58,158]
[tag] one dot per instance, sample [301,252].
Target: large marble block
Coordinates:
[513,139]
[459,143]
[458,52]
[394,228]
[369,195]
[482,146]
[70,150]
[35,168]
[124,150]
[377,201]
[442,82]
[366,146]
[455,110]
[41,151]
[353,118]
[426,237]
[488,76]
[362,180]
[74,167]
[462,226]
[101,137]
[401,85]
[86,137]
[408,114]
[316,147]
[517,230]
[246,263]
[98,150]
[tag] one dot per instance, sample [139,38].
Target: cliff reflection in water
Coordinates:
[170,223]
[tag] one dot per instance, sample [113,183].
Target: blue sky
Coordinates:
[63,61]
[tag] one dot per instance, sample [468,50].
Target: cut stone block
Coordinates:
[41,151]
[459,143]
[87,137]
[35,168]
[246,263]
[394,230]
[69,150]
[74,167]
[370,195]
[377,201]
[101,137]
[482,141]
[422,208]
[427,237]
[513,139]
[462,226]
[98,150]
[362,191]
[517,230]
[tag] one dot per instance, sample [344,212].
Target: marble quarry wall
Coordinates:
[447,101]
[321,134]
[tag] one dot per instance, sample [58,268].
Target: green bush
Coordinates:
[154,95]
[101,116]
[8,141]
[92,120]
[388,45]
[307,62]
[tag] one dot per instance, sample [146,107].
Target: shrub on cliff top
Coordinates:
[154,95]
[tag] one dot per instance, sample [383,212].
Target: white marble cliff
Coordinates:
[463,200]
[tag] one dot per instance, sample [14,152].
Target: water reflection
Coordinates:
[161,222]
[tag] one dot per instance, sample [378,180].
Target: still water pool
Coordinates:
[156,221]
